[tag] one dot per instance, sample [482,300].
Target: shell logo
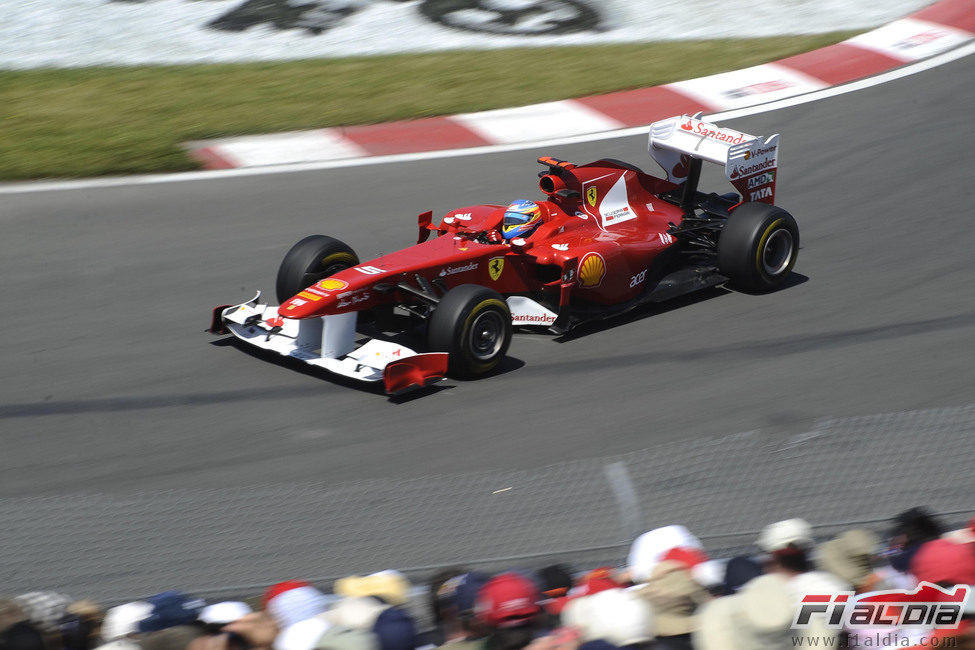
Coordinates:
[592,270]
[332,284]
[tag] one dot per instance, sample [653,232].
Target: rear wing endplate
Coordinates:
[750,161]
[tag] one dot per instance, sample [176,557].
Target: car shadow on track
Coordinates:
[654,309]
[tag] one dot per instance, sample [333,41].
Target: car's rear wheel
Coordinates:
[473,324]
[758,246]
[310,260]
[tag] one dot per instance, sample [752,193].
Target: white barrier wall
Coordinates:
[70,33]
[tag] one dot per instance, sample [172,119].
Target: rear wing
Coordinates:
[678,144]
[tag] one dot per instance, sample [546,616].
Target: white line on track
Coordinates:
[181,177]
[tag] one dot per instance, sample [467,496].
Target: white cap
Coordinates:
[779,535]
[651,546]
[617,616]
[226,612]
[124,620]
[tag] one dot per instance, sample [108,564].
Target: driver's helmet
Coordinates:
[520,219]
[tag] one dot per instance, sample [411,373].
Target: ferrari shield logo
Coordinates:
[591,196]
[495,267]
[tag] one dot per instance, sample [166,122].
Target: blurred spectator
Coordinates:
[789,544]
[554,582]
[22,635]
[675,598]
[946,564]
[440,607]
[44,609]
[458,598]
[651,547]
[80,627]
[911,529]
[851,557]
[758,617]
[738,571]
[171,609]
[620,617]
[395,630]
[10,613]
[508,605]
[215,616]
[290,604]
[390,586]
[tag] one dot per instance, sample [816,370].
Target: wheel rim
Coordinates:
[486,335]
[778,252]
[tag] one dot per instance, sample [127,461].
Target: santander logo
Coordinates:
[711,131]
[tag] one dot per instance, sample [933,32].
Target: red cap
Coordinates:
[507,600]
[595,581]
[280,588]
[944,561]
[690,557]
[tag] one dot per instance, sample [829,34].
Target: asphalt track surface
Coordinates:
[111,385]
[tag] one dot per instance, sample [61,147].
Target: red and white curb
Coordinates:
[936,29]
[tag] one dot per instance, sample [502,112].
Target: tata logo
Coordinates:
[591,195]
[763,193]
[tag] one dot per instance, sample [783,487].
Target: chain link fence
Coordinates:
[233,542]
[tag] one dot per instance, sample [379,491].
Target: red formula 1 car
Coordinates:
[607,238]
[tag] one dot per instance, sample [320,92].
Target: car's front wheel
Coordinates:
[758,246]
[473,324]
[312,259]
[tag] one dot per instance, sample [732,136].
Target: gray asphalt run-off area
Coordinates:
[139,453]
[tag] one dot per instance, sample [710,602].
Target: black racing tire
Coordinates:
[310,260]
[473,324]
[758,246]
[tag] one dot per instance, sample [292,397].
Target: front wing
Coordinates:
[329,342]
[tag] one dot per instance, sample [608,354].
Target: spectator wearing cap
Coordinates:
[508,606]
[672,542]
[947,564]
[214,617]
[675,598]
[43,610]
[851,557]
[290,604]
[394,627]
[758,617]
[390,586]
[457,596]
[789,545]
[172,622]
[617,616]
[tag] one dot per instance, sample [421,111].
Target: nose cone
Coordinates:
[313,300]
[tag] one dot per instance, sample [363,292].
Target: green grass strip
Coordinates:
[97,121]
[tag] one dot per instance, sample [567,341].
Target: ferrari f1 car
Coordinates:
[607,238]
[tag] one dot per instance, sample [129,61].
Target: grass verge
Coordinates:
[97,121]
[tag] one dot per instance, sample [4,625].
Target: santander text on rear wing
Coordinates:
[750,161]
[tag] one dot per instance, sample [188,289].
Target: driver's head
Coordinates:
[520,219]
